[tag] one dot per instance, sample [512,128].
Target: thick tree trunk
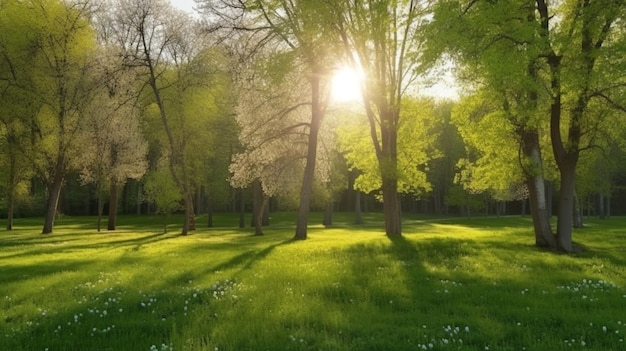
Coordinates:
[257,203]
[387,156]
[537,190]
[539,213]
[391,207]
[309,169]
[258,216]
[113,194]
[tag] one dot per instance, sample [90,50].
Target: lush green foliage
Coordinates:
[446,285]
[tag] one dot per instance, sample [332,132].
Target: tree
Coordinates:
[161,189]
[415,136]
[382,38]
[115,149]
[584,54]
[517,49]
[303,29]
[492,42]
[492,162]
[64,82]
[18,104]
[176,64]
[442,170]
[272,115]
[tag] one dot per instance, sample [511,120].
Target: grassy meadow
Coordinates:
[454,284]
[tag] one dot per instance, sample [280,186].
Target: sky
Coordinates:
[185,5]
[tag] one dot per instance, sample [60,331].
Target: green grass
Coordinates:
[455,284]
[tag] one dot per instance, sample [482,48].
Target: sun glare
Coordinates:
[346,85]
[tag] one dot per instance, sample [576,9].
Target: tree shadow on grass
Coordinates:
[66,243]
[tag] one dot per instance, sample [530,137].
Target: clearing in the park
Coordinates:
[455,284]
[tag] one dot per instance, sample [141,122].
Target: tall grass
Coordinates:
[476,284]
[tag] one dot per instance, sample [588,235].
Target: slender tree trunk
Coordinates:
[309,169]
[11,192]
[601,209]
[190,217]
[54,193]
[209,211]
[100,210]
[328,214]
[242,210]
[200,200]
[10,209]
[358,214]
[566,208]
[139,197]
[113,194]
[578,211]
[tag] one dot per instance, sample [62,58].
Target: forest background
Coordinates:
[136,107]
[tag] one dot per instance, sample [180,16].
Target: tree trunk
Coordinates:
[10,209]
[578,211]
[601,210]
[209,212]
[257,202]
[190,220]
[391,207]
[11,192]
[100,210]
[54,193]
[200,200]
[266,212]
[113,194]
[258,216]
[566,206]
[328,214]
[358,214]
[242,210]
[139,196]
[537,190]
[387,155]
[309,169]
